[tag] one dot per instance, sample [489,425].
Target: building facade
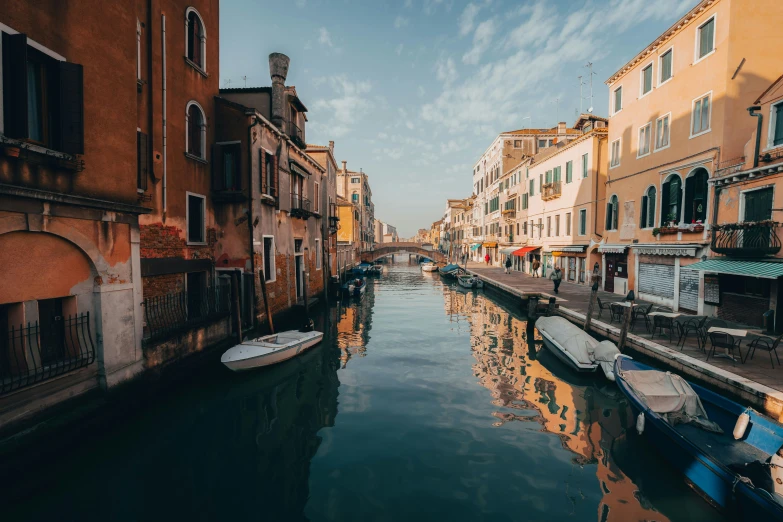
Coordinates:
[355,186]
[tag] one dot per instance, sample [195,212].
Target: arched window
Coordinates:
[612,210]
[355,197]
[695,208]
[195,38]
[671,197]
[648,209]
[195,130]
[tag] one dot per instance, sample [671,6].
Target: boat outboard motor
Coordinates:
[308,325]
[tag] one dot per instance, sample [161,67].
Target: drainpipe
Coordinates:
[752,112]
[151,108]
[251,199]
[595,197]
[163,52]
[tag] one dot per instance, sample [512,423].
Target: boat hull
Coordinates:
[245,357]
[564,357]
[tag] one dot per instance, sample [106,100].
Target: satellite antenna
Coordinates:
[590,110]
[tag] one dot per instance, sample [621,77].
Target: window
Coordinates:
[355,197]
[517,144]
[548,177]
[662,132]
[706,39]
[42,97]
[548,226]
[615,157]
[524,227]
[196,39]
[695,208]
[611,213]
[494,204]
[142,160]
[541,181]
[671,196]
[316,198]
[356,180]
[585,166]
[648,209]
[618,99]
[138,50]
[647,79]
[582,222]
[268,174]
[317,254]
[532,191]
[557,225]
[644,141]
[524,201]
[775,125]
[556,174]
[569,171]
[568,223]
[226,163]
[665,66]
[195,218]
[542,143]
[270,274]
[700,119]
[196,130]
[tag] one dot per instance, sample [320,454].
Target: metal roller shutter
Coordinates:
[656,280]
[689,289]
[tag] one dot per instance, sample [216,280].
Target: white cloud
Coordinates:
[324,38]
[400,22]
[422,91]
[467,19]
[338,115]
[383,136]
[399,48]
[481,40]
[445,71]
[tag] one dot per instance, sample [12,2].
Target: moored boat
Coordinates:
[429,267]
[577,348]
[269,349]
[727,452]
[450,271]
[469,281]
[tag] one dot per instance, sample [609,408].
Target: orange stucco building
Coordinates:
[678,117]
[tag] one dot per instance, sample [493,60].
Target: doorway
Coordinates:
[299,269]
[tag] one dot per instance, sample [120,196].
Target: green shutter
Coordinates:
[569,171]
[665,192]
[643,221]
[651,208]
[777,139]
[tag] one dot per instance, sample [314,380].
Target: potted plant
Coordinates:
[656,231]
[672,219]
[11,151]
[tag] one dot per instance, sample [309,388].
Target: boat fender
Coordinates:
[742,425]
[640,423]
[776,470]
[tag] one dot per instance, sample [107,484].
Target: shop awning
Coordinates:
[524,250]
[491,244]
[569,248]
[742,268]
[612,249]
[475,246]
[508,250]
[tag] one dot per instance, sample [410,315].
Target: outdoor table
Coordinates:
[670,315]
[734,333]
[624,303]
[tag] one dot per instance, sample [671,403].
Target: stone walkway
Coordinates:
[575,298]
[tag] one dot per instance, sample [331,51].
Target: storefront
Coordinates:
[663,275]
[491,248]
[614,268]
[507,253]
[475,251]
[572,260]
[524,258]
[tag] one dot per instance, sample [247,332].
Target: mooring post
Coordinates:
[591,305]
[237,313]
[266,301]
[626,321]
[532,308]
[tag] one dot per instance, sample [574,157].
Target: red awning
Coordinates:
[524,250]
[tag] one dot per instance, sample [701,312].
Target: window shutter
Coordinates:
[142,160]
[237,157]
[262,170]
[664,203]
[679,199]
[15,85]
[615,214]
[608,216]
[690,183]
[217,167]
[644,212]
[651,208]
[276,178]
[71,108]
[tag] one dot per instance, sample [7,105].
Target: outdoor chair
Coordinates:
[727,341]
[642,311]
[663,309]
[602,306]
[691,325]
[618,311]
[765,343]
[663,323]
[719,323]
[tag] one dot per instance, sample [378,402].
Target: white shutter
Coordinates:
[689,289]
[656,280]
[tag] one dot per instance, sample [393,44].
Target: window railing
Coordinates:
[730,166]
[746,239]
[169,314]
[300,206]
[551,190]
[296,134]
[38,352]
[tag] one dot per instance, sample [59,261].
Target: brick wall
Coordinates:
[743,308]
[159,241]
[162,284]
[282,292]
[194,340]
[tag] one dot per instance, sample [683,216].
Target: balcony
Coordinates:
[510,214]
[300,206]
[297,135]
[746,239]
[551,190]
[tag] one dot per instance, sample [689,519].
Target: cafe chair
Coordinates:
[602,306]
[727,341]
[688,326]
[642,311]
[663,323]
[719,323]
[618,311]
[765,343]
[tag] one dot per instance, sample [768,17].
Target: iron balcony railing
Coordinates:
[37,352]
[169,314]
[746,239]
[300,206]
[551,190]
[296,134]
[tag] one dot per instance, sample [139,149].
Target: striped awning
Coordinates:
[508,250]
[569,248]
[491,244]
[742,268]
[524,250]
[612,249]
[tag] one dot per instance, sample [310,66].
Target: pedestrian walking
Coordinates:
[486,258]
[508,264]
[556,276]
[536,264]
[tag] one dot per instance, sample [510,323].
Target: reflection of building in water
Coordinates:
[353,326]
[583,417]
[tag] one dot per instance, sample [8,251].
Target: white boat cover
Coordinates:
[581,345]
[670,396]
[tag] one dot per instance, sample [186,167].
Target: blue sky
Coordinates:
[413,91]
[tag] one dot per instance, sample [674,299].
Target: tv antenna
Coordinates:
[590,66]
[245,79]
[228,83]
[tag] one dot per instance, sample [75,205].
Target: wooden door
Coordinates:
[610,268]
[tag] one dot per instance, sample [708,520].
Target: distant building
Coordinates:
[355,186]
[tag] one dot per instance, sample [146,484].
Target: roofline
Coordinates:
[602,132]
[771,86]
[245,89]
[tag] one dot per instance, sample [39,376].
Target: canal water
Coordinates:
[424,402]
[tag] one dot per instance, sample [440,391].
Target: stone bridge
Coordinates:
[385,249]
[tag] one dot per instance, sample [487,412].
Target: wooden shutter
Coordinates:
[236,155]
[71,108]
[142,160]
[690,185]
[644,212]
[217,167]
[276,178]
[679,199]
[15,85]
[615,214]
[651,208]
[608,220]
[664,203]
[262,170]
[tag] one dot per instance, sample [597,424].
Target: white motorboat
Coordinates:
[429,267]
[577,348]
[269,349]
[469,281]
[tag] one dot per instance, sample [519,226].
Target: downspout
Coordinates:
[595,197]
[250,224]
[751,111]
[163,53]
[150,108]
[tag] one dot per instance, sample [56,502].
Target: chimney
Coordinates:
[331,147]
[278,69]
[561,128]
[345,168]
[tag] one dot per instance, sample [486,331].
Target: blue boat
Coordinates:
[450,271]
[709,459]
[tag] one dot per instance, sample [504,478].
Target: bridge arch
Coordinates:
[384,249]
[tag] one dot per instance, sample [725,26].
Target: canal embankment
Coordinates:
[753,382]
